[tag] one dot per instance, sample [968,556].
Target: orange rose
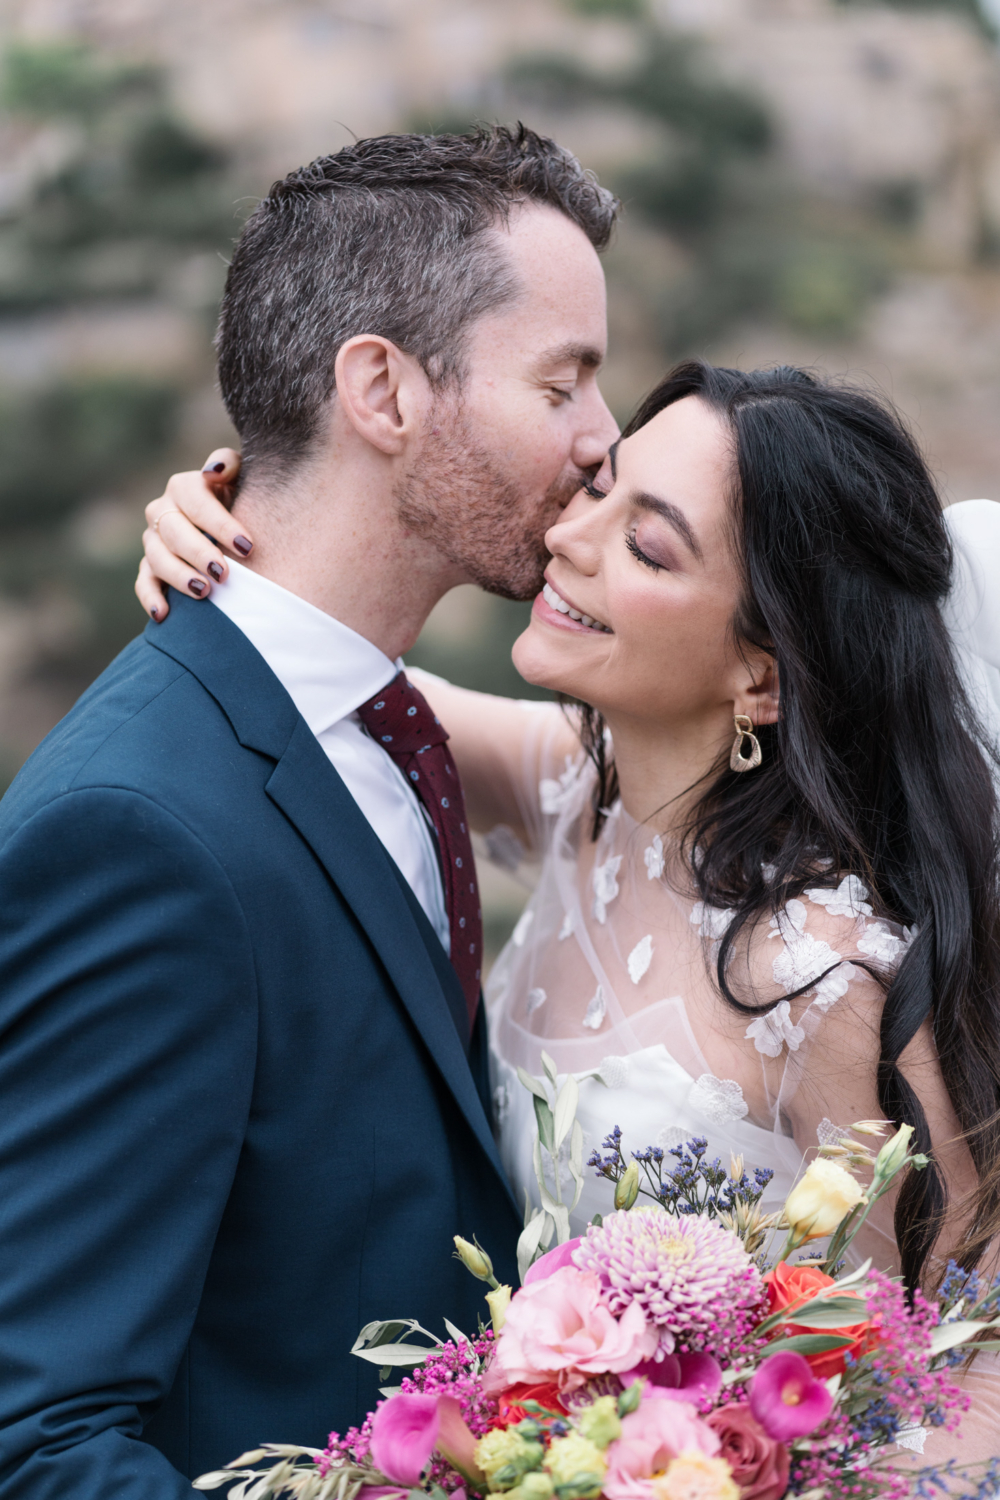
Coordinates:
[788,1287]
[512,1412]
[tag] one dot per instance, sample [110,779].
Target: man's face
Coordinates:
[506,451]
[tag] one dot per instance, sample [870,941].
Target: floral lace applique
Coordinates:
[884,945]
[605,885]
[719,1099]
[834,986]
[640,958]
[568,927]
[501,1103]
[850,899]
[711,921]
[803,958]
[653,855]
[520,932]
[829,1134]
[775,1030]
[613,1072]
[555,796]
[596,1011]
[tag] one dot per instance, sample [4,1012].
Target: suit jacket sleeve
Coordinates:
[128,1022]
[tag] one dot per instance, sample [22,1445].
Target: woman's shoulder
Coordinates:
[823,953]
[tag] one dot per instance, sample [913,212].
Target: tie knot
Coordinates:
[401,720]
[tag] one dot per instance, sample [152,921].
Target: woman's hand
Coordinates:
[178,551]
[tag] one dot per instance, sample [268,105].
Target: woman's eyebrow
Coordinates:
[674,517]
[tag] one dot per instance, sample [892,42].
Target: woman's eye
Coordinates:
[594,492]
[638,554]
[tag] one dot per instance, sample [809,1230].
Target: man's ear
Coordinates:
[760,697]
[382,392]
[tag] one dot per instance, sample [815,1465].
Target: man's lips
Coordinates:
[551,607]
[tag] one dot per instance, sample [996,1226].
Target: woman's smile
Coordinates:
[553,608]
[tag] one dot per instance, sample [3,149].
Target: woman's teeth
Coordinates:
[557,602]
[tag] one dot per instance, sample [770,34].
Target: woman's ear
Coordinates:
[382,392]
[760,698]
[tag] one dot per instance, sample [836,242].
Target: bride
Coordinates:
[768,900]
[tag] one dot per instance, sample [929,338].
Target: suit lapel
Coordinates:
[315,800]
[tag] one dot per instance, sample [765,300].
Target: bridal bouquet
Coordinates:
[663,1355]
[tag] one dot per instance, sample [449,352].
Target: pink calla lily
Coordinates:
[787,1399]
[679,1377]
[553,1260]
[408,1428]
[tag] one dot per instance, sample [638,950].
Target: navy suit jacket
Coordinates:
[239,1112]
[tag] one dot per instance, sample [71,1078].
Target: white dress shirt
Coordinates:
[327,670]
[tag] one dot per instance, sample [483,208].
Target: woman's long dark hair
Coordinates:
[876,764]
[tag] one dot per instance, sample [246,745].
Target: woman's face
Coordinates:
[650,564]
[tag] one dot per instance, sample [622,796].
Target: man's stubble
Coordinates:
[458,497]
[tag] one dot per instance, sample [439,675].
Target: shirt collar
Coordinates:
[327,669]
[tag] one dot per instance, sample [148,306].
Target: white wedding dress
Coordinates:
[609,971]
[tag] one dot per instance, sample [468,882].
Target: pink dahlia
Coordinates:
[693,1279]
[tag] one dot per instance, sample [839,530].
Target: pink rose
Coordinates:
[560,1328]
[758,1462]
[657,1432]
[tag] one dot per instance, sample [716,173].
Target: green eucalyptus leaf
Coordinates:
[533,1085]
[546,1125]
[566,1107]
[808,1343]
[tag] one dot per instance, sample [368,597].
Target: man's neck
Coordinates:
[347,554]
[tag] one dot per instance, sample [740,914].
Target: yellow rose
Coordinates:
[498,1302]
[818,1202]
[575,1460]
[695,1476]
[474,1259]
[627,1190]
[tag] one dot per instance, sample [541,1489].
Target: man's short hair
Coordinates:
[388,237]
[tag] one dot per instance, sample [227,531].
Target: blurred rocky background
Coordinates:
[815,181]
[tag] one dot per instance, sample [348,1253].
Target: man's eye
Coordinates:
[557,390]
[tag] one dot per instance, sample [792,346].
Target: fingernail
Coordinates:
[215,569]
[213,468]
[154,614]
[197,587]
[243,545]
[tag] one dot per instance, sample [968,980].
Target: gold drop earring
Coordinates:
[744,731]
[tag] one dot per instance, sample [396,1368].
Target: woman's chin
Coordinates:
[540,662]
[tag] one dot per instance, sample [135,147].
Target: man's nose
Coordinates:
[596,433]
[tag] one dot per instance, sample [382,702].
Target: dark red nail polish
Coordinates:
[213,468]
[197,587]
[243,545]
[215,569]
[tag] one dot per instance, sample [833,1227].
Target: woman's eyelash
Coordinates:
[594,492]
[638,554]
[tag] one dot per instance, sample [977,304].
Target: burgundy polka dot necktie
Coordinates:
[400,719]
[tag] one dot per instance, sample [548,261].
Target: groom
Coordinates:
[242,1107]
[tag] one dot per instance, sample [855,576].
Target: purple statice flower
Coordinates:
[450,1370]
[692,1278]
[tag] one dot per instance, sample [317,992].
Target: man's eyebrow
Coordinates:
[574,354]
[671,514]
